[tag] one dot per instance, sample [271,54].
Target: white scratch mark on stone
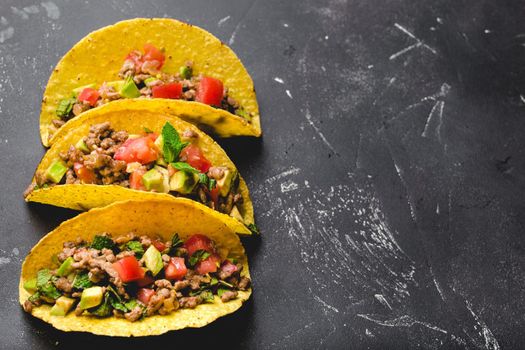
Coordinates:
[370,66]
[20,13]
[4,260]
[223,20]
[323,138]
[33,9]
[437,209]
[490,341]
[405,50]
[6,34]
[289,94]
[522,98]
[382,300]
[323,68]
[285,25]
[437,105]
[291,171]
[419,41]
[325,304]
[289,186]
[410,205]
[16,252]
[3,21]
[52,9]
[402,321]
[279,80]
[439,20]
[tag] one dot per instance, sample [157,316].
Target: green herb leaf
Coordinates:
[254,229]
[204,179]
[172,143]
[49,290]
[207,296]
[147,130]
[136,247]
[183,166]
[82,281]
[197,256]
[104,309]
[212,184]
[130,305]
[42,277]
[214,281]
[176,241]
[221,291]
[34,297]
[64,107]
[101,242]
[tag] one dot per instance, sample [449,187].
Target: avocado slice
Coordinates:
[129,89]
[159,142]
[30,285]
[156,179]
[236,214]
[62,306]
[153,260]
[81,146]
[56,171]
[78,90]
[65,269]
[183,182]
[91,297]
[226,181]
[116,84]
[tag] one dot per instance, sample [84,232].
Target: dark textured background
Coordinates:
[388,186]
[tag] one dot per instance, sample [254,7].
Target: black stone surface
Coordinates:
[388,185]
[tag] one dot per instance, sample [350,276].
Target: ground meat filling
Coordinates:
[86,266]
[146,77]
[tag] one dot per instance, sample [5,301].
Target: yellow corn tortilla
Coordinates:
[99,56]
[133,120]
[157,218]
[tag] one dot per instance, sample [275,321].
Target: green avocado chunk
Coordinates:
[129,89]
[153,260]
[91,297]
[156,179]
[30,285]
[65,269]
[81,146]
[56,171]
[62,306]
[225,182]
[183,182]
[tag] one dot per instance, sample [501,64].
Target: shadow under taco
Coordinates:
[122,151]
[136,268]
[160,59]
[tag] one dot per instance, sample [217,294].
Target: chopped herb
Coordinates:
[100,242]
[212,184]
[34,297]
[207,296]
[226,284]
[136,247]
[233,260]
[176,241]
[185,72]
[221,291]
[147,130]
[214,281]
[254,229]
[42,277]
[183,166]
[82,281]
[130,305]
[204,179]
[104,309]
[64,107]
[198,256]
[49,290]
[172,143]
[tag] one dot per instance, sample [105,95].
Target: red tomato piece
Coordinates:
[176,269]
[198,242]
[129,269]
[210,264]
[169,90]
[210,91]
[214,194]
[144,295]
[135,180]
[192,154]
[145,281]
[89,95]
[87,176]
[151,53]
[141,149]
[158,245]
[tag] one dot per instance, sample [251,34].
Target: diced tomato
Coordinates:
[141,149]
[192,154]
[210,91]
[128,269]
[135,180]
[89,95]
[208,265]
[169,90]
[146,280]
[159,245]
[144,295]
[176,269]
[198,242]
[214,194]
[151,53]
[84,174]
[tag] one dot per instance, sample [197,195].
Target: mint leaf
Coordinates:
[42,277]
[136,247]
[197,256]
[212,184]
[207,296]
[101,242]
[130,305]
[172,143]
[183,166]
[49,290]
[34,297]
[254,229]
[82,281]
[176,241]
[105,308]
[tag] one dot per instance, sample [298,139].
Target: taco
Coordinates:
[136,268]
[117,153]
[161,59]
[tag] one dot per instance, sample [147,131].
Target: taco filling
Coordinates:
[141,77]
[166,163]
[135,277]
